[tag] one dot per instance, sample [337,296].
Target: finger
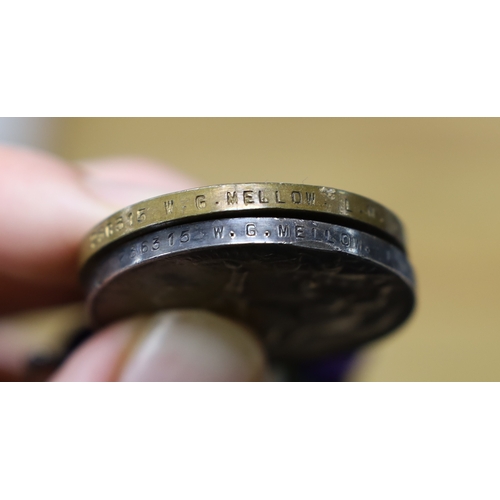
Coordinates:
[47,206]
[181,345]
[122,181]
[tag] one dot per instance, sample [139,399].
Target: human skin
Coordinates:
[48,205]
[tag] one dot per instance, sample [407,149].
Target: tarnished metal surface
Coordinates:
[308,288]
[261,199]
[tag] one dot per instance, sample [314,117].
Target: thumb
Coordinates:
[178,345]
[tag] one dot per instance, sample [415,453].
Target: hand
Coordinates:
[46,207]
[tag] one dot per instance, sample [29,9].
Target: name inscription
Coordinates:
[250,231]
[185,205]
[245,198]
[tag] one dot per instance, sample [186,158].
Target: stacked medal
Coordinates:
[314,271]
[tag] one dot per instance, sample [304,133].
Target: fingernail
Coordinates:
[194,345]
[123,181]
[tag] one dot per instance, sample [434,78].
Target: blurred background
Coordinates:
[440,176]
